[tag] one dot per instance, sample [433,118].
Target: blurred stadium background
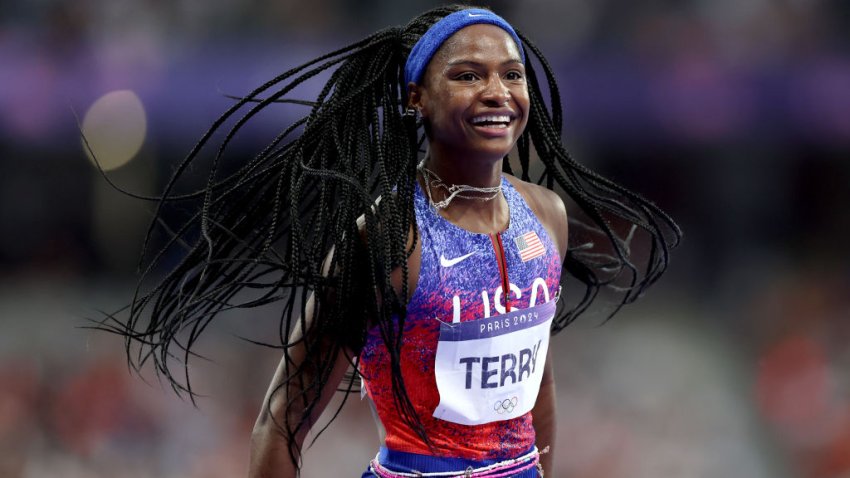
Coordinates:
[734,115]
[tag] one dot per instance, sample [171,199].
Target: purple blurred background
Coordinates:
[732,115]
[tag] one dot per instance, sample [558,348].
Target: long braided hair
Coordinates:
[262,232]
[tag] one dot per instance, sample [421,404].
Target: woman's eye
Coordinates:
[467,77]
[513,75]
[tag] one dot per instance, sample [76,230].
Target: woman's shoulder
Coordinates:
[543,198]
[549,208]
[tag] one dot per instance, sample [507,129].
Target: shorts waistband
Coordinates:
[403,463]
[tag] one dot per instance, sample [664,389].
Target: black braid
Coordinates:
[266,228]
[603,201]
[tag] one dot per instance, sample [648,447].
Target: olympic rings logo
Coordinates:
[505,406]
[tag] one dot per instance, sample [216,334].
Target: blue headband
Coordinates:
[439,32]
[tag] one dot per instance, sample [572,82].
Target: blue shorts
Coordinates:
[412,462]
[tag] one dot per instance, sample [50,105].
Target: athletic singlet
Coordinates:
[462,278]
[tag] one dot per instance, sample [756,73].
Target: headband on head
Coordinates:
[439,32]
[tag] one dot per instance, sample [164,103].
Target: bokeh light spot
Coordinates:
[115,127]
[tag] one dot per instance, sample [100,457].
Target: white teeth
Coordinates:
[491,119]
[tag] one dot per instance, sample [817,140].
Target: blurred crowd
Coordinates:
[733,115]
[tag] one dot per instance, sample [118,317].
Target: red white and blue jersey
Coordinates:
[463,277]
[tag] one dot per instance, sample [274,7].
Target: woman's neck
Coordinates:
[465,170]
[484,212]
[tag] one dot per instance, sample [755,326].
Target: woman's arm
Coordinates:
[270,446]
[544,416]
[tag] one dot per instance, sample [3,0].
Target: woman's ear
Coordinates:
[414,97]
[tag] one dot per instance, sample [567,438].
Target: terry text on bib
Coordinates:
[490,369]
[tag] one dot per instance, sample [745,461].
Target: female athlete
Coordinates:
[435,274]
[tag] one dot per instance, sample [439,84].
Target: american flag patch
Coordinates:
[529,246]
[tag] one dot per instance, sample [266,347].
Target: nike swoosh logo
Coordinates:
[450,262]
[475,14]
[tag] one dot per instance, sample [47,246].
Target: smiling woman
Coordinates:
[473,98]
[436,276]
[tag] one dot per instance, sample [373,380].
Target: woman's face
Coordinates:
[473,95]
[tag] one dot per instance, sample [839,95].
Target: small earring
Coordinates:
[412,112]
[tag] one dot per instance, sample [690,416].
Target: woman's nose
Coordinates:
[496,92]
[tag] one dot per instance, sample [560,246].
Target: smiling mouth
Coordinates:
[492,121]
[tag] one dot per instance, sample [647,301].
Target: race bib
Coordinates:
[490,369]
